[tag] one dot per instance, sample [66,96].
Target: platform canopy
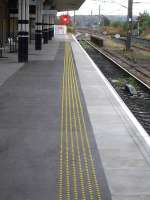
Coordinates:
[59,5]
[62,5]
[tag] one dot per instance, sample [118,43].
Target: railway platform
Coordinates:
[65,133]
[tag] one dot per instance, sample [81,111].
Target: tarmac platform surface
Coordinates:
[65,134]
[29,127]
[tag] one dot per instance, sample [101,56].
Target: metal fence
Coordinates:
[13,42]
[144,42]
[135,40]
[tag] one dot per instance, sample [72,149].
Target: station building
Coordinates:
[23,20]
[4,20]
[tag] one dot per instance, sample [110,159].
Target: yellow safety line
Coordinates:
[73,165]
[84,153]
[66,131]
[61,136]
[74,175]
[85,156]
[72,115]
[78,98]
[77,142]
[79,158]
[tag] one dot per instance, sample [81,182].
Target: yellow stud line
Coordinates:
[86,164]
[84,155]
[78,153]
[98,193]
[61,138]
[87,141]
[66,131]
[77,140]
[72,115]
[73,165]
[74,175]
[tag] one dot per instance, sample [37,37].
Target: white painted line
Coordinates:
[118,98]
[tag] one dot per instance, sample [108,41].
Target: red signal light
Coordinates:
[65,19]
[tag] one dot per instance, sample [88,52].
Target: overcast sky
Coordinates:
[112,7]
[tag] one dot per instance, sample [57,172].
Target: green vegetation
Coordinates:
[105,21]
[144,23]
[70,29]
[121,27]
[117,24]
[121,82]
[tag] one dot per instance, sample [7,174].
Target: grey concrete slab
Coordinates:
[123,150]
[131,197]
[122,159]
[129,181]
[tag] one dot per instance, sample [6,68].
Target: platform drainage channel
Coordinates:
[81,174]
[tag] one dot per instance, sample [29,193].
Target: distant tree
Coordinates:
[125,26]
[120,24]
[105,21]
[116,24]
[144,21]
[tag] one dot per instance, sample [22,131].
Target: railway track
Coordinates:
[118,76]
[137,68]
[144,71]
[90,32]
[140,72]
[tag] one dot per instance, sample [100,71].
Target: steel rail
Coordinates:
[114,62]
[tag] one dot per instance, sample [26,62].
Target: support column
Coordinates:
[52,19]
[45,29]
[23,30]
[49,29]
[38,29]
